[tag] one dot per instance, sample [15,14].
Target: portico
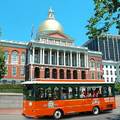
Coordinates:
[53,55]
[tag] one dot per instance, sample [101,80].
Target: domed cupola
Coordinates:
[51,25]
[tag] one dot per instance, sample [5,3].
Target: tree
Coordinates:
[106,14]
[2,64]
[117,87]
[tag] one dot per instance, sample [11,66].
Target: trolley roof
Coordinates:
[66,82]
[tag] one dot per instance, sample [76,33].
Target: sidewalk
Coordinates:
[117,97]
[11,100]
[12,111]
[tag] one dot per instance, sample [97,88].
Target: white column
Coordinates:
[50,56]
[98,43]
[57,57]
[71,58]
[31,72]
[77,59]
[86,60]
[33,56]
[64,58]
[30,54]
[40,55]
[43,56]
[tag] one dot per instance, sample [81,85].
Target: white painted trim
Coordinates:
[51,82]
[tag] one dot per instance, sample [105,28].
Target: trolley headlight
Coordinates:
[30,103]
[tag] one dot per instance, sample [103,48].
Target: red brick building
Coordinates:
[15,57]
[52,54]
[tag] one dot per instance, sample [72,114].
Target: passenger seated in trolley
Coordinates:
[89,94]
[96,93]
[63,94]
[82,94]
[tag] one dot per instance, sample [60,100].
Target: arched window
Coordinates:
[75,76]
[37,72]
[92,63]
[54,73]
[22,71]
[47,73]
[83,75]
[61,74]
[23,58]
[68,74]
[6,56]
[14,71]
[14,57]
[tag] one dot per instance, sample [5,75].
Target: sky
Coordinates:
[18,16]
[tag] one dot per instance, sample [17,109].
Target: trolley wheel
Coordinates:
[96,110]
[57,114]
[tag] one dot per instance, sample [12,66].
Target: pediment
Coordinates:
[58,35]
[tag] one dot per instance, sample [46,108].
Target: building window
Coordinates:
[75,75]
[110,66]
[74,60]
[99,75]
[61,73]
[37,56]
[111,79]
[47,56]
[14,71]
[93,75]
[61,58]
[115,67]
[23,58]
[37,72]
[54,73]
[106,66]
[111,72]
[82,56]
[47,73]
[14,57]
[54,57]
[83,75]
[92,64]
[107,79]
[98,65]
[106,72]
[6,56]
[115,72]
[22,71]
[68,74]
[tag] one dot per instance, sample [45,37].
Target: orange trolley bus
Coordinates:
[61,97]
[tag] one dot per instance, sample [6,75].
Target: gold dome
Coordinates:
[50,24]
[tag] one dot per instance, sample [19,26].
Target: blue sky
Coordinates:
[17,17]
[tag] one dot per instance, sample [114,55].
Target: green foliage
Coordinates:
[2,64]
[9,88]
[106,14]
[117,87]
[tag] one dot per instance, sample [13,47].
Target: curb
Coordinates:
[11,94]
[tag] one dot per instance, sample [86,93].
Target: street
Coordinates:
[14,111]
[15,114]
